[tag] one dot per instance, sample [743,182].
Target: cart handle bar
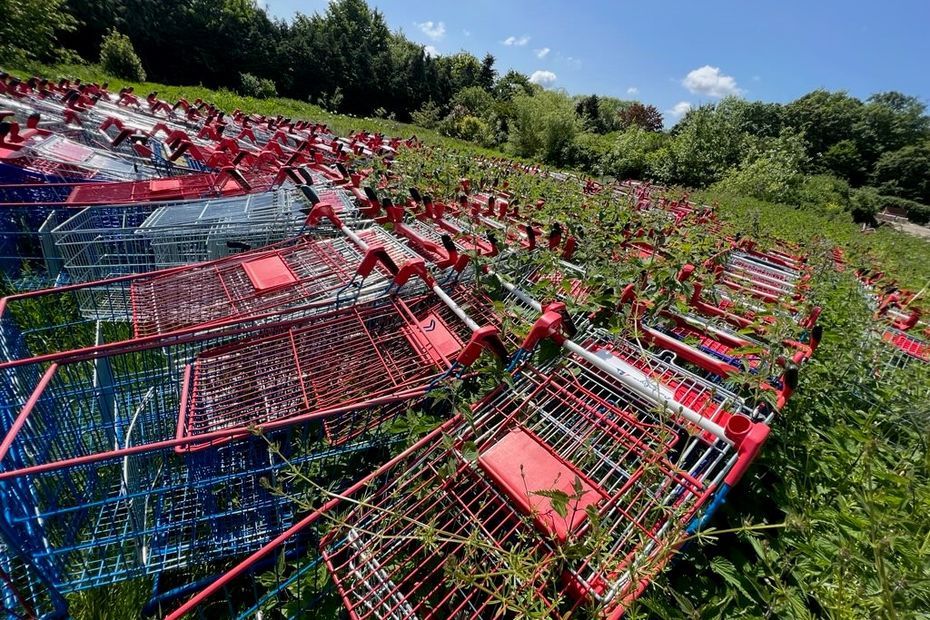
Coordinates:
[651,389]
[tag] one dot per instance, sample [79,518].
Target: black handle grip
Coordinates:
[371,194]
[817,333]
[310,194]
[415,194]
[498,349]
[448,244]
[303,172]
[238,245]
[568,324]
[493,241]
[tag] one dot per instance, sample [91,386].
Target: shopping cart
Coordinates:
[749,311]
[298,276]
[313,272]
[575,450]
[23,593]
[766,280]
[907,347]
[103,486]
[103,242]
[380,353]
[569,488]
[56,158]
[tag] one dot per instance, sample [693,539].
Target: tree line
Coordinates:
[869,154]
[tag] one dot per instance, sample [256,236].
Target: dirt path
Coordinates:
[911,228]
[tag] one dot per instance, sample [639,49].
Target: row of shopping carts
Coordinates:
[217,396]
[566,488]
[898,317]
[78,207]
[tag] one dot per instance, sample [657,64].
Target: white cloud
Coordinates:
[467,33]
[756,78]
[431,51]
[543,78]
[632,90]
[434,30]
[542,52]
[517,41]
[709,81]
[679,109]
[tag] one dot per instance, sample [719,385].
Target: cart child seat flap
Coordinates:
[269,272]
[523,467]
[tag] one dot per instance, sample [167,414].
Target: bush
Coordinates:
[864,205]
[118,57]
[543,126]
[771,170]
[587,151]
[427,116]
[260,88]
[703,148]
[628,157]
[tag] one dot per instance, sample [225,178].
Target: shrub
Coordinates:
[543,126]
[771,170]
[864,205]
[587,151]
[118,57]
[628,157]
[427,116]
[473,129]
[260,88]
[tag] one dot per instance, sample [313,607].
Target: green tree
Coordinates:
[475,100]
[461,70]
[487,74]
[28,28]
[703,147]
[636,114]
[765,120]
[890,121]
[905,173]
[94,19]
[825,118]
[609,109]
[587,109]
[543,126]
[427,116]
[844,160]
[511,84]
[771,170]
[628,157]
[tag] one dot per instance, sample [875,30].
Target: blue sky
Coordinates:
[674,54]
